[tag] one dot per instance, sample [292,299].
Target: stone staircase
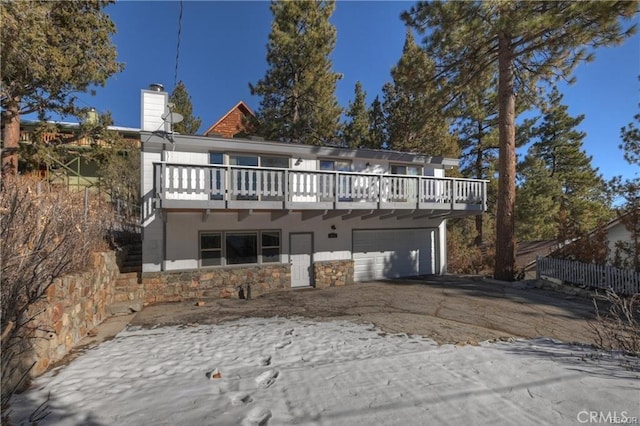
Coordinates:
[129,293]
[133,259]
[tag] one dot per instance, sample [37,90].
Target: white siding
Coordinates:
[152,231]
[147,159]
[183,233]
[154,105]
[372,167]
[440,253]
[614,234]
[152,245]
[311,185]
[429,171]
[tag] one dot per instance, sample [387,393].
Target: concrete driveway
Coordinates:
[448,309]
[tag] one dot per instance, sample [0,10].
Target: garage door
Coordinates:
[392,253]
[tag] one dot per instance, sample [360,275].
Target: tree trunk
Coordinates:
[479,175]
[10,136]
[505,217]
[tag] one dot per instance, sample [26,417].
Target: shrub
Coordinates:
[45,233]
[619,327]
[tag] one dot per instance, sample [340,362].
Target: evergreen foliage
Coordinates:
[356,130]
[298,91]
[182,104]
[559,180]
[528,43]
[537,207]
[412,124]
[627,254]
[50,51]
[377,132]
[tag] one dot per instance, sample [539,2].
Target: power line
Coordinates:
[175,77]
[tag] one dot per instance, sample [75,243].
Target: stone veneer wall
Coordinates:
[74,305]
[333,273]
[223,282]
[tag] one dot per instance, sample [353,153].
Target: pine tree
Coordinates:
[476,128]
[579,193]
[627,254]
[298,91]
[411,123]
[528,43]
[377,136]
[182,104]
[51,50]
[537,207]
[356,130]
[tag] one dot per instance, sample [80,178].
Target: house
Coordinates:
[624,249]
[234,211]
[528,251]
[232,123]
[611,244]
[71,167]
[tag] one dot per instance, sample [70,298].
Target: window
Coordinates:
[243,160]
[211,248]
[343,183]
[215,179]
[397,169]
[239,248]
[216,158]
[273,181]
[274,162]
[270,247]
[245,179]
[335,165]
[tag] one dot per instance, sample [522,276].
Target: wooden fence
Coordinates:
[622,281]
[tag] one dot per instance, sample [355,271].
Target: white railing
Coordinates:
[622,281]
[242,183]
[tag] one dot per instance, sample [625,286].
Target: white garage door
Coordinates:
[392,253]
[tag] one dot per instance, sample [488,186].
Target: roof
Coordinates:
[67,125]
[200,143]
[527,251]
[243,107]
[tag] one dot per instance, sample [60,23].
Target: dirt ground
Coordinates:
[448,309]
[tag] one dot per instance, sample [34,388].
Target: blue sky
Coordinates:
[223,48]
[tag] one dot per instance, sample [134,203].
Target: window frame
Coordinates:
[335,162]
[263,247]
[279,157]
[419,169]
[255,234]
[224,261]
[201,249]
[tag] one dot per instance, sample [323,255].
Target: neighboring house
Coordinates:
[232,123]
[615,233]
[528,251]
[235,209]
[71,168]
[618,233]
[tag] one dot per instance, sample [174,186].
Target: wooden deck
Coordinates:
[189,186]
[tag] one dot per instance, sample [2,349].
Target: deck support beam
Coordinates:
[306,215]
[242,215]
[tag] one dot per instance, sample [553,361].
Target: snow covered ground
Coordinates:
[282,372]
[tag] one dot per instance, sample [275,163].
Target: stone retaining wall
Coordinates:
[74,305]
[175,286]
[333,273]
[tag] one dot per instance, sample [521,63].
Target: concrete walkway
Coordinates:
[448,309]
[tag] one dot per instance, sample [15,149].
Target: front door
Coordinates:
[301,246]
